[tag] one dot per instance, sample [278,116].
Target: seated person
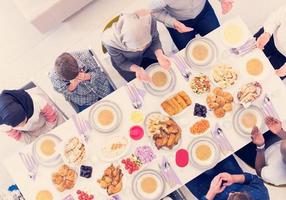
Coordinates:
[226,181]
[79,78]
[248,152]
[29,115]
[186,18]
[270,164]
[133,44]
[271,38]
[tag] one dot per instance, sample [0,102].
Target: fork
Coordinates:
[131,97]
[30,163]
[186,67]
[134,90]
[82,126]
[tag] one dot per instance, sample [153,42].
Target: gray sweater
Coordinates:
[167,11]
[124,59]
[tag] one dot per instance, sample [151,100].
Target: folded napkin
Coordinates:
[221,140]
[169,173]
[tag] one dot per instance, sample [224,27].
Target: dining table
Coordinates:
[271,85]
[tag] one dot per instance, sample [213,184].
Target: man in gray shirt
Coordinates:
[186,18]
[133,44]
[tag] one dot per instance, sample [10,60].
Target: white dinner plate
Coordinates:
[160,91]
[237,118]
[213,54]
[208,163]
[101,105]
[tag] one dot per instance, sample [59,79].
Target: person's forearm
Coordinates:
[239,178]
[159,53]
[73,85]
[259,161]
[210,195]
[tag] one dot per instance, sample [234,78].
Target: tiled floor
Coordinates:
[24,52]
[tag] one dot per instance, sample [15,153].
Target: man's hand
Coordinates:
[163,60]
[263,40]
[257,137]
[281,72]
[82,76]
[181,28]
[216,187]
[226,6]
[227,178]
[141,74]
[274,125]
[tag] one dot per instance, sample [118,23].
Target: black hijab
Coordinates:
[15,107]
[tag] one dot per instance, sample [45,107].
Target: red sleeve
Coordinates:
[49,113]
[16,134]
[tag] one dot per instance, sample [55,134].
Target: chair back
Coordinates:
[107,26]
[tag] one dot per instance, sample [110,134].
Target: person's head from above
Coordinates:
[239,196]
[67,67]
[16,108]
[132,32]
[283,150]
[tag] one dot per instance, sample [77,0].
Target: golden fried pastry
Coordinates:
[181,101]
[227,107]
[219,113]
[111,180]
[186,98]
[220,100]
[228,97]
[176,104]
[218,91]
[213,105]
[168,108]
[64,178]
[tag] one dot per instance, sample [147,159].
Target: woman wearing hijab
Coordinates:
[79,78]
[133,44]
[28,114]
[186,18]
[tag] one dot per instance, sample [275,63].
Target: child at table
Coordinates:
[272,39]
[26,114]
[133,44]
[186,18]
[79,78]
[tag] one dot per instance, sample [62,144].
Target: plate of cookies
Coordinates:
[176,104]
[220,102]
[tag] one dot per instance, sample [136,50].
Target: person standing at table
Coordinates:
[133,44]
[270,164]
[186,18]
[271,38]
[79,78]
[249,152]
[27,114]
